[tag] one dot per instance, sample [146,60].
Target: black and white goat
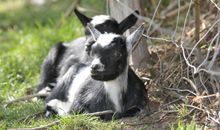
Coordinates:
[63,55]
[108,83]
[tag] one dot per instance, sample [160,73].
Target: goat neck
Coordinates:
[116,89]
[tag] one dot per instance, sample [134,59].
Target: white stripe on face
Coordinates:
[106,39]
[100,19]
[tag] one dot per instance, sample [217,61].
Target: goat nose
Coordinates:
[95,66]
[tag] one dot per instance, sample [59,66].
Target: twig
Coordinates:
[213,119]
[215,5]
[197,19]
[192,84]
[182,37]
[82,9]
[209,30]
[69,11]
[178,96]
[207,96]
[203,84]
[25,98]
[155,12]
[100,113]
[31,116]
[153,122]
[180,90]
[196,69]
[189,113]
[195,107]
[160,39]
[175,12]
[44,127]
[171,6]
[185,21]
[209,50]
[215,53]
[173,72]
[71,8]
[164,105]
[177,20]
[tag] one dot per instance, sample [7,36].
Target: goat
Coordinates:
[108,83]
[58,59]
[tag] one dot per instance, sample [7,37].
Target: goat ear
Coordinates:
[83,19]
[95,33]
[128,22]
[134,37]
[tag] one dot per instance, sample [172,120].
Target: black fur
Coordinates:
[50,66]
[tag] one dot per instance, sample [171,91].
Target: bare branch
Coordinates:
[192,84]
[215,5]
[197,19]
[28,97]
[44,127]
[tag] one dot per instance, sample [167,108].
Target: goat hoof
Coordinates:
[49,112]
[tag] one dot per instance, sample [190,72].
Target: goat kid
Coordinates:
[63,55]
[108,83]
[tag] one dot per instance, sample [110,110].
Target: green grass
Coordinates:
[23,50]
[84,122]
[185,126]
[26,35]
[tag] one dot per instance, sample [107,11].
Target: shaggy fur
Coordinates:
[63,55]
[111,85]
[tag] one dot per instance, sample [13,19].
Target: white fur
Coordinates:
[106,39]
[67,76]
[114,89]
[100,19]
[75,42]
[77,83]
[89,96]
[96,61]
[63,108]
[45,90]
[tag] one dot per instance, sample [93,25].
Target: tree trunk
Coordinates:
[140,54]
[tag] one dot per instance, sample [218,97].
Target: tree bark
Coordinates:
[140,54]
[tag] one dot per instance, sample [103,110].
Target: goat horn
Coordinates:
[135,36]
[95,33]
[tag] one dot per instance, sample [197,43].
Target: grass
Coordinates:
[185,126]
[23,50]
